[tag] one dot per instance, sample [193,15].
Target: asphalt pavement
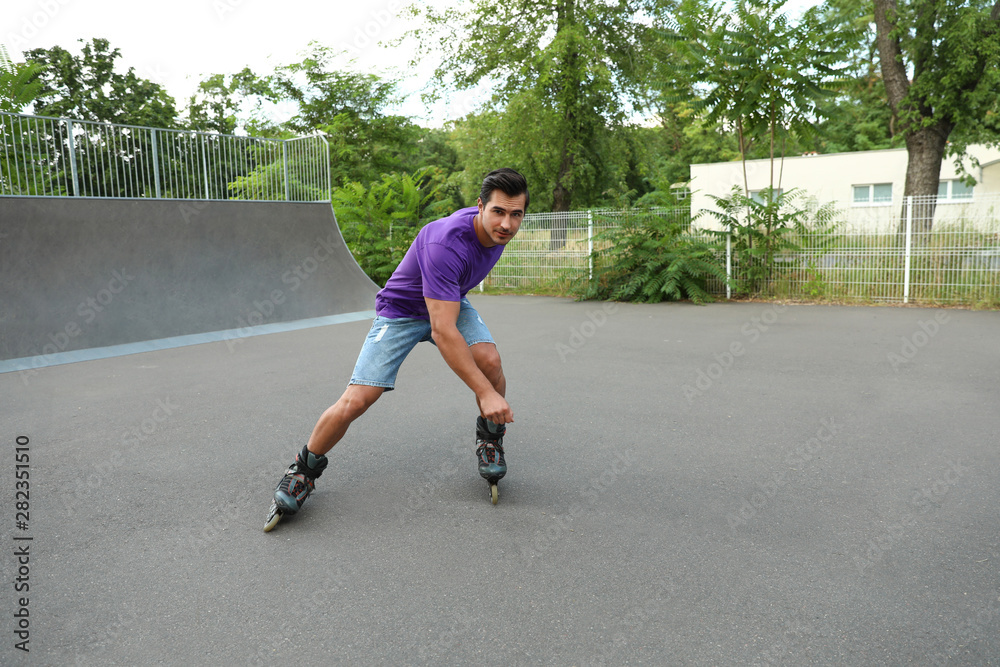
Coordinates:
[732,484]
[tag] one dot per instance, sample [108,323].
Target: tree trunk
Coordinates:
[925,146]
[925,152]
[743,155]
[894,75]
[562,197]
[561,194]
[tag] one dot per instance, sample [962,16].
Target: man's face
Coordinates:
[500,218]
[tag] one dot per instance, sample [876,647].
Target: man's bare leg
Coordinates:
[299,480]
[333,423]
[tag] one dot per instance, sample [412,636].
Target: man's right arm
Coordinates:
[455,351]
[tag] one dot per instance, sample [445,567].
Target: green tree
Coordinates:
[109,159]
[940,61]
[858,117]
[351,108]
[227,103]
[88,87]
[563,73]
[683,137]
[215,105]
[751,68]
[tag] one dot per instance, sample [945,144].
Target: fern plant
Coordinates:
[380,222]
[19,83]
[648,258]
[761,229]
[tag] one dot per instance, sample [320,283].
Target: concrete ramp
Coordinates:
[79,274]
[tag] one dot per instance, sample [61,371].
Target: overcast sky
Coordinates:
[176,44]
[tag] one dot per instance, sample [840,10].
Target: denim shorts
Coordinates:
[390,340]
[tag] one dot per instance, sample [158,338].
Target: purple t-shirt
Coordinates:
[444,262]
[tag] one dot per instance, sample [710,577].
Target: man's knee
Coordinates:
[358,398]
[488,360]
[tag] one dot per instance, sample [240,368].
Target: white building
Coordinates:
[867,186]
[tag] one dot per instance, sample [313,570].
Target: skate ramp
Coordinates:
[80,274]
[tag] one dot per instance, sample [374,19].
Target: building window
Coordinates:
[954,190]
[680,191]
[758,195]
[875,194]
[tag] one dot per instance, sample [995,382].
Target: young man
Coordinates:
[424,300]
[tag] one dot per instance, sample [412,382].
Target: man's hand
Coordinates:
[495,408]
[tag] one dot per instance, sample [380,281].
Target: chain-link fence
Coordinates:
[59,157]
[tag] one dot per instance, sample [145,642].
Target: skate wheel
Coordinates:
[272,520]
[494,493]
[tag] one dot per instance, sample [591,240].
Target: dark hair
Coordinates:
[507,181]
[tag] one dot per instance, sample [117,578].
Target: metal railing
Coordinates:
[921,250]
[60,157]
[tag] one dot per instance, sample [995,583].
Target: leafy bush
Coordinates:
[380,222]
[649,258]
